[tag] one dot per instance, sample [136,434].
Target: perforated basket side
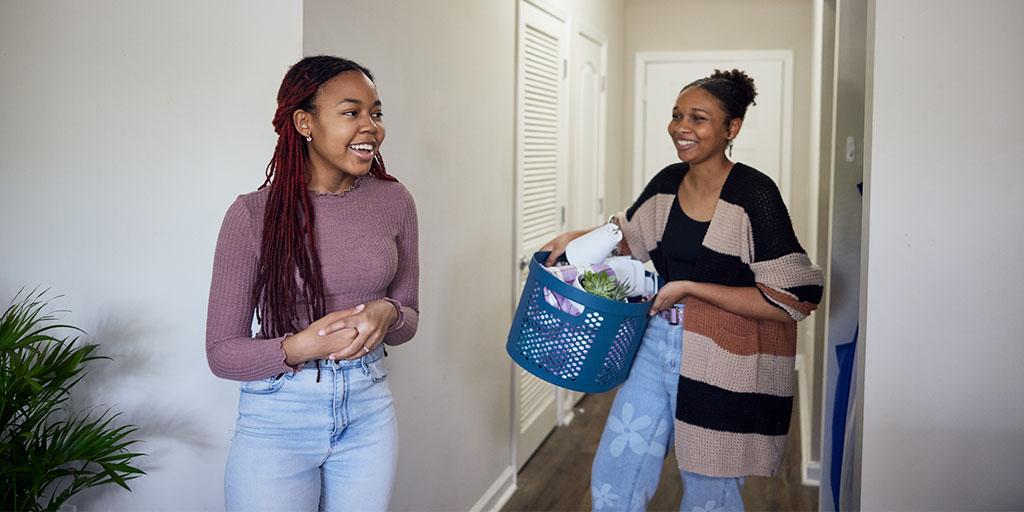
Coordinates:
[552,342]
[620,351]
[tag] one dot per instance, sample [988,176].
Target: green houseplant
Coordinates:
[48,452]
[604,285]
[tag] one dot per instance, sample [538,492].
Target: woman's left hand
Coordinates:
[669,295]
[371,324]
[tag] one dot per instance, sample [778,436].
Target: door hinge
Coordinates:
[600,207]
[604,80]
[563,215]
[565,68]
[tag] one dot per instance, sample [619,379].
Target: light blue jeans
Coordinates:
[640,431]
[306,445]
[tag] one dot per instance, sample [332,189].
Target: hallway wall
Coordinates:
[943,362]
[129,127]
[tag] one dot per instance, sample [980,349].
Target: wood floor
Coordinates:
[558,475]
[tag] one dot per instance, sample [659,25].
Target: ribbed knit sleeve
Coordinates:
[405,286]
[782,271]
[231,351]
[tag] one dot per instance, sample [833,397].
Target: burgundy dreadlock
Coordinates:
[289,263]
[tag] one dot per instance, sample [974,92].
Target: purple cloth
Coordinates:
[368,244]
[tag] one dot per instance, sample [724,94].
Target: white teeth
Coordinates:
[362,147]
[685,143]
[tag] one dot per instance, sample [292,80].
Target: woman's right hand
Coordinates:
[307,344]
[557,245]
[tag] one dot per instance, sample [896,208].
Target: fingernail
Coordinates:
[360,307]
[322,332]
[330,358]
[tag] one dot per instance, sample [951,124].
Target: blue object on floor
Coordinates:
[845,356]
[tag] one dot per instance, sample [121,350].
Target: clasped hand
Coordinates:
[346,334]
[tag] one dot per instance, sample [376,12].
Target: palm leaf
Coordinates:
[48,453]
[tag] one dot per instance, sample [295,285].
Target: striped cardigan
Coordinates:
[736,378]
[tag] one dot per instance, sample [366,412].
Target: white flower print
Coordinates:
[603,497]
[708,507]
[658,448]
[628,429]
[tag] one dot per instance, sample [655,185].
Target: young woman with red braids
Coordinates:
[325,255]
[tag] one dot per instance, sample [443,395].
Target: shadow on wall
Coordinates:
[124,383]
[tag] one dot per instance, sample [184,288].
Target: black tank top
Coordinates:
[681,243]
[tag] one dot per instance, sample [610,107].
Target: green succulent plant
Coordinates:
[47,451]
[604,285]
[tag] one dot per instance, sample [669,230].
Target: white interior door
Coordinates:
[541,168]
[587,76]
[589,100]
[765,139]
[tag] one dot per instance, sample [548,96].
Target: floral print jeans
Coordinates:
[640,431]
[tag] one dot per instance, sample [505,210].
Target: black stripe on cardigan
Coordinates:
[770,223]
[806,293]
[711,407]
[715,267]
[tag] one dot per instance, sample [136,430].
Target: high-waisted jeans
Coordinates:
[307,445]
[640,431]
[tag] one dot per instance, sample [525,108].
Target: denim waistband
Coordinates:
[373,356]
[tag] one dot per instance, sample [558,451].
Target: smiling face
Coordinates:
[346,124]
[698,129]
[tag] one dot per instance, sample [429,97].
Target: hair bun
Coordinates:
[744,84]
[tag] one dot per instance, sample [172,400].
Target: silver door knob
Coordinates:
[524,262]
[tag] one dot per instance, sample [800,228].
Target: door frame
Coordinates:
[643,59]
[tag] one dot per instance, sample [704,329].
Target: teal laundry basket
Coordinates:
[591,352]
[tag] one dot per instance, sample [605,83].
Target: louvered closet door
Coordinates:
[541,136]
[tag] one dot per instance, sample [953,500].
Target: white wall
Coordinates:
[129,127]
[944,360]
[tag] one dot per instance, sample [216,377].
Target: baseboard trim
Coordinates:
[498,493]
[810,473]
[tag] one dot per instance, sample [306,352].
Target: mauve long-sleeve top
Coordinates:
[368,245]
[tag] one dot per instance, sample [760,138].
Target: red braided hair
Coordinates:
[289,264]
